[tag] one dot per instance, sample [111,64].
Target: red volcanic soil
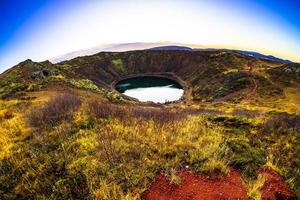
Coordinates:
[196,187]
[274,186]
[219,187]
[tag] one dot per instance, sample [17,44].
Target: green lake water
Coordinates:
[150,88]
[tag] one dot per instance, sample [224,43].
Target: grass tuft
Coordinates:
[254,187]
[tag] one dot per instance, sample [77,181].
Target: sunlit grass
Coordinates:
[134,153]
[255,186]
[115,153]
[113,157]
[12,126]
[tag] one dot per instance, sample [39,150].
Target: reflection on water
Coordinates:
[155,94]
[155,89]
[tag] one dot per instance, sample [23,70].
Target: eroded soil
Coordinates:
[218,187]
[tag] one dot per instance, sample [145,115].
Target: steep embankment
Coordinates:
[207,76]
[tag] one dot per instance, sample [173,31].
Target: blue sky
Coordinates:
[42,29]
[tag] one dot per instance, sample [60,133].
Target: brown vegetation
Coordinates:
[54,111]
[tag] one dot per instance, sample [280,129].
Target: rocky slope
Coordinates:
[208,75]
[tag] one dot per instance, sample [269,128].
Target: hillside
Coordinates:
[66,133]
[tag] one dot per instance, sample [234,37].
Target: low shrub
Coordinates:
[246,113]
[113,96]
[245,157]
[56,109]
[84,84]
[7,114]
[119,64]
[100,109]
[33,87]
[232,82]
[231,122]
[160,116]
[282,122]
[281,134]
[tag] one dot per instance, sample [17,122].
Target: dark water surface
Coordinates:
[150,88]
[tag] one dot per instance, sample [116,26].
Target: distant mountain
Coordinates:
[158,46]
[173,48]
[248,53]
[118,48]
[262,56]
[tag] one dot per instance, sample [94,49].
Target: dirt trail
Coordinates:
[254,83]
[252,90]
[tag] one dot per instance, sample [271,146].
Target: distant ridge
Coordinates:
[118,47]
[262,56]
[173,48]
[159,46]
[248,53]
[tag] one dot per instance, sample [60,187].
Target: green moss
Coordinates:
[65,66]
[222,91]
[84,84]
[114,97]
[119,64]
[293,69]
[233,82]
[10,77]
[233,122]
[33,87]
[89,85]
[244,156]
[12,84]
